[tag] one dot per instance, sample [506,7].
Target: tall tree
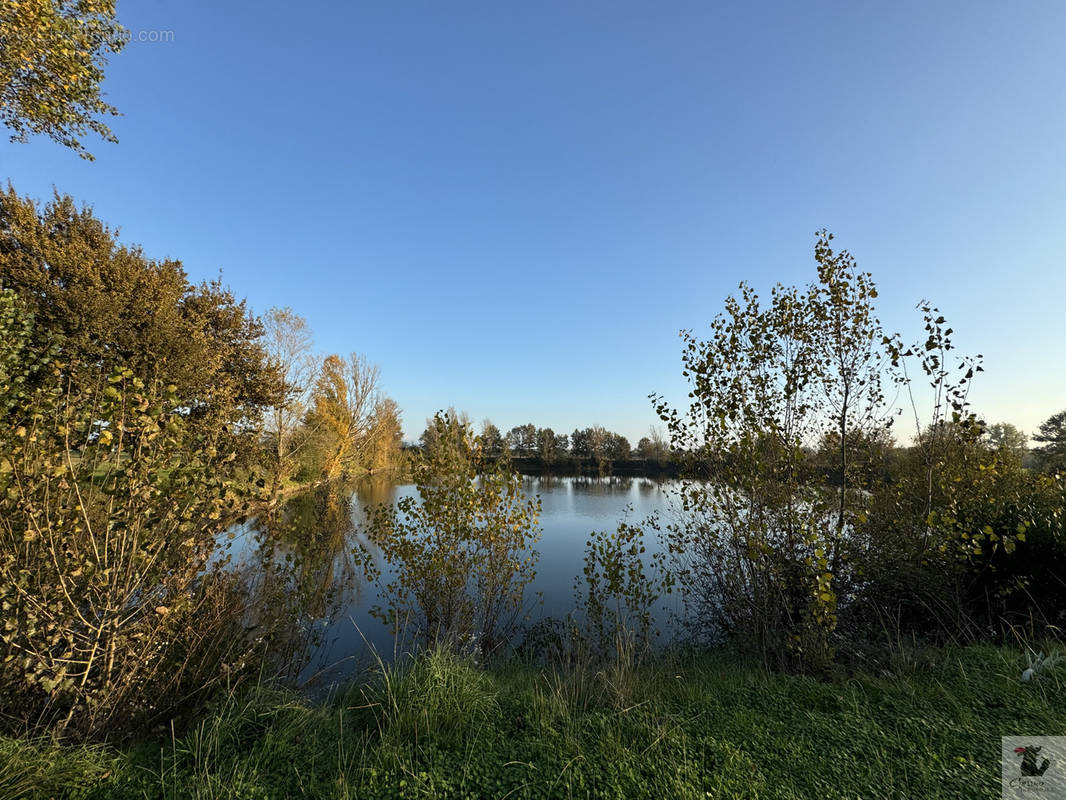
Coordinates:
[522,440]
[755,534]
[288,344]
[601,444]
[109,305]
[579,444]
[1051,455]
[848,346]
[492,440]
[386,437]
[444,437]
[342,410]
[52,58]
[1011,443]
[620,449]
[654,447]
[547,445]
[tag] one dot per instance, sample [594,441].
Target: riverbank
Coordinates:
[695,726]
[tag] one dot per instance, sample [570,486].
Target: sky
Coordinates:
[513,208]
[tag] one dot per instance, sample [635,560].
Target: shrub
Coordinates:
[761,543]
[109,507]
[460,554]
[619,586]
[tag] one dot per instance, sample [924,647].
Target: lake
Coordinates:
[316,533]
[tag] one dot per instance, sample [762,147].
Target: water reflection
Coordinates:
[375,490]
[648,487]
[309,555]
[311,533]
[602,486]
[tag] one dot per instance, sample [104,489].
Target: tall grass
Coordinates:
[43,768]
[437,694]
[682,725]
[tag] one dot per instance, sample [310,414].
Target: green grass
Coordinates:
[702,726]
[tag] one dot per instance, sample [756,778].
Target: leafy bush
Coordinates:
[936,554]
[984,547]
[619,586]
[760,546]
[109,507]
[460,555]
[802,530]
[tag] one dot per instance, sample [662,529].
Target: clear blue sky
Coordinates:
[513,207]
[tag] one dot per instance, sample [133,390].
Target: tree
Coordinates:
[753,544]
[52,58]
[288,344]
[848,345]
[522,440]
[580,446]
[386,435]
[787,391]
[868,454]
[1011,443]
[774,381]
[654,447]
[439,438]
[110,306]
[492,440]
[110,505]
[601,444]
[342,411]
[548,445]
[1051,455]
[618,448]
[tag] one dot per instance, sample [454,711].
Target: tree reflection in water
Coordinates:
[309,565]
[306,564]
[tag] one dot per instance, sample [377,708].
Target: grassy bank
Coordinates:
[686,727]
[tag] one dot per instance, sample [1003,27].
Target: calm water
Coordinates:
[316,533]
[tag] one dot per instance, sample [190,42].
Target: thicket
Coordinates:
[805,535]
[134,430]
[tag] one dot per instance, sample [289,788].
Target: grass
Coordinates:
[687,726]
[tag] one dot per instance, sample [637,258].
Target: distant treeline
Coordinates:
[534,450]
[586,451]
[569,465]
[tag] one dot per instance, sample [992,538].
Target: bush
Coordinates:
[619,586]
[959,542]
[460,555]
[109,507]
[760,543]
[802,530]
